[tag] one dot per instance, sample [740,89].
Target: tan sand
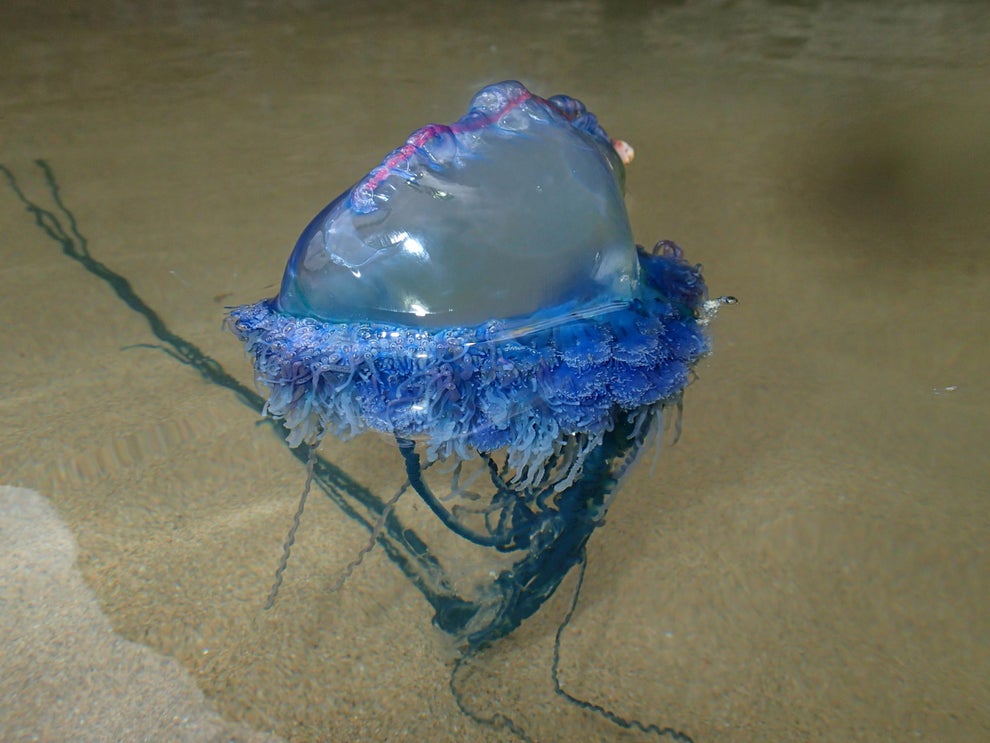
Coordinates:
[64,673]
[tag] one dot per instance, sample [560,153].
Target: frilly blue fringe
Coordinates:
[531,389]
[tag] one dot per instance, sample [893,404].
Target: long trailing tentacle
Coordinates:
[290,538]
[613,717]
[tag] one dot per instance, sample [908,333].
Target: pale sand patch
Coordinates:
[64,673]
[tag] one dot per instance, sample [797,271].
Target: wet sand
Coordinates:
[808,562]
[66,674]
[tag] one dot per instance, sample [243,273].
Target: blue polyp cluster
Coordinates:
[479,389]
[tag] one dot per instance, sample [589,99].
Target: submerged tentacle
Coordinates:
[290,538]
[373,538]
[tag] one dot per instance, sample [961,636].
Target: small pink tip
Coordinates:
[624,150]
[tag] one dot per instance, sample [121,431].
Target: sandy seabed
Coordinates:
[808,562]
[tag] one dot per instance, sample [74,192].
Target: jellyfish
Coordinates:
[478,298]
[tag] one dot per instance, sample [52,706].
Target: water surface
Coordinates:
[808,562]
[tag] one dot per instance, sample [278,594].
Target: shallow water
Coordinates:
[808,562]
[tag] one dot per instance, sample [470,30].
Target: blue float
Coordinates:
[479,298]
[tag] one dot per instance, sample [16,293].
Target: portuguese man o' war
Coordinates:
[478,297]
